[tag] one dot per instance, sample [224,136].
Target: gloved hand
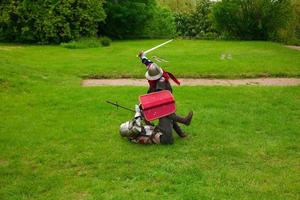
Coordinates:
[142,55]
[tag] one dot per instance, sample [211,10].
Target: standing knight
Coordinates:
[158,80]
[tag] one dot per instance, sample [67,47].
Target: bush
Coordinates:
[179,6]
[105,41]
[46,21]
[162,24]
[126,18]
[137,19]
[83,43]
[198,23]
[251,19]
[291,33]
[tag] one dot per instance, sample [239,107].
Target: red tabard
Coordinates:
[167,76]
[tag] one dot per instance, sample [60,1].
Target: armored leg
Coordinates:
[178,130]
[165,126]
[183,120]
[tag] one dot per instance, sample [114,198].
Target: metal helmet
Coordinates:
[154,72]
[125,129]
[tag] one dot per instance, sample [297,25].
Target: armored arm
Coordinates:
[144,59]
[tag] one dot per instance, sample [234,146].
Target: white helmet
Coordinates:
[154,72]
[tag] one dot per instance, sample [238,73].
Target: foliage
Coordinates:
[297,18]
[179,6]
[137,19]
[197,23]
[127,18]
[162,24]
[49,21]
[291,33]
[105,41]
[251,19]
[82,43]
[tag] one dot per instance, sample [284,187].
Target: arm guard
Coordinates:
[145,60]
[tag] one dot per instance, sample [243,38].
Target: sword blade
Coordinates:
[117,105]
[156,47]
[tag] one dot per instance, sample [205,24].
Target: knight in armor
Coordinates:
[158,80]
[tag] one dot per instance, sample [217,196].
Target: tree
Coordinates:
[291,33]
[251,19]
[179,6]
[126,18]
[49,21]
[198,22]
[162,24]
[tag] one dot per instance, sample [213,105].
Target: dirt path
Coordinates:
[294,47]
[196,82]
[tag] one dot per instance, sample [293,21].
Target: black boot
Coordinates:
[178,130]
[183,120]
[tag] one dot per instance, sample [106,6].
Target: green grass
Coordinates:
[187,58]
[60,141]
[63,143]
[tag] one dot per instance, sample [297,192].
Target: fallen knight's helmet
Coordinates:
[154,72]
[126,129]
[133,127]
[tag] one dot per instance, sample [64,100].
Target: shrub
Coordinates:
[46,21]
[162,24]
[198,23]
[291,33]
[126,18]
[179,6]
[137,19]
[105,41]
[251,19]
[83,43]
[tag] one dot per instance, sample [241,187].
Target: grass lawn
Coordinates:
[187,58]
[60,141]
